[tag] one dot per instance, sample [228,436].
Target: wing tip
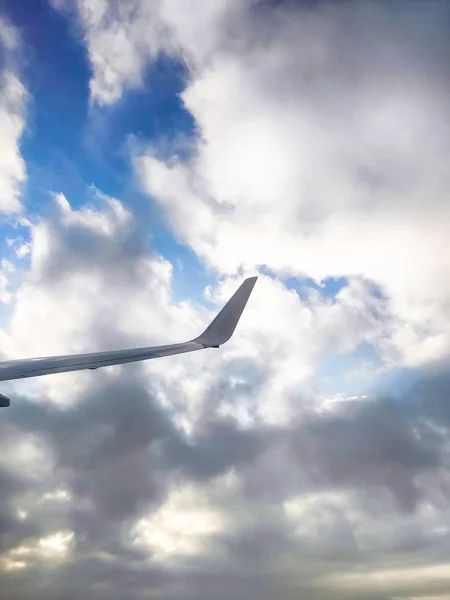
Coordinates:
[223,325]
[4,401]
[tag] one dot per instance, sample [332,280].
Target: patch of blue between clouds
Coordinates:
[13,235]
[190,276]
[328,288]
[361,372]
[398,383]
[353,373]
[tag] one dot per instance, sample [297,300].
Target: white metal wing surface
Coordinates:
[217,333]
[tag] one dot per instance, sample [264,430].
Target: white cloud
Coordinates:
[181,526]
[30,456]
[8,34]
[12,123]
[318,155]
[55,544]
[57,495]
[6,268]
[401,579]
[315,154]
[53,547]
[122,38]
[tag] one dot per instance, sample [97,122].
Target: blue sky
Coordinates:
[69,146]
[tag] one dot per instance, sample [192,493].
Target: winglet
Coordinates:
[4,401]
[222,327]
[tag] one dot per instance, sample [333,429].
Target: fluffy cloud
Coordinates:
[122,37]
[8,35]
[322,137]
[321,154]
[12,122]
[321,133]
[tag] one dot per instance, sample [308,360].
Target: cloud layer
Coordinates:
[12,121]
[319,151]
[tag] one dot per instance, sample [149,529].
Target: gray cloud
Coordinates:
[378,443]
[118,453]
[113,251]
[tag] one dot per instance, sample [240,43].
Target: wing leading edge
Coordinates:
[217,333]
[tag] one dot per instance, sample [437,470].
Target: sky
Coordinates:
[153,154]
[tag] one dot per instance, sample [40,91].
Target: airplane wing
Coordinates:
[217,333]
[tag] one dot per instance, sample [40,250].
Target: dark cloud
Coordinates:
[116,452]
[380,443]
[220,445]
